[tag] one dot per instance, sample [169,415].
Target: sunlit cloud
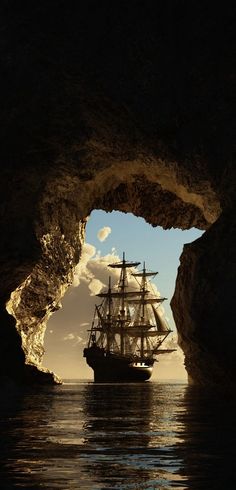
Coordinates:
[177,355]
[103,233]
[93,270]
[72,336]
[95,286]
[69,336]
[81,270]
[78,340]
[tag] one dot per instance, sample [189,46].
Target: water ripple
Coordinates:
[126,437]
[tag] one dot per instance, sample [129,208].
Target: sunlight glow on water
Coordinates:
[127,436]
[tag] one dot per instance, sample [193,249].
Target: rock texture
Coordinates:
[125,106]
[203,304]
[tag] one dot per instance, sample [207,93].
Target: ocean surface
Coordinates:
[83,435]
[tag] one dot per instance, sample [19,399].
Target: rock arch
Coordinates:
[100,114]
[63,204]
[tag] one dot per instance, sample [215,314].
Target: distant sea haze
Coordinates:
[82,435]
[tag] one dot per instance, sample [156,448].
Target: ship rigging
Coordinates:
[128,328]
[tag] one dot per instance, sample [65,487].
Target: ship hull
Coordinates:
[110,368]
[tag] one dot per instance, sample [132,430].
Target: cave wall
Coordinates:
[204,312]
[107,105]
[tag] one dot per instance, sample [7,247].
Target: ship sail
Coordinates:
[128,330]
[120,294]
[160,321]
[148,301]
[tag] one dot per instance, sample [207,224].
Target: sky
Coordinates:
[108,235]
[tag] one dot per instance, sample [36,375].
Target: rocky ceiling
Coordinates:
[126,106]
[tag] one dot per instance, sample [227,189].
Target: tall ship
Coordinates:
[127,331]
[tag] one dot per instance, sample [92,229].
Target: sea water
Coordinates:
[81,435]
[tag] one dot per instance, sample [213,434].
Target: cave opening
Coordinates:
[150,193]
[108,235]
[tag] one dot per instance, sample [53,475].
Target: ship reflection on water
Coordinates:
[133,434]
[122,436]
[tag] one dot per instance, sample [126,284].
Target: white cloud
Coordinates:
[93,269]
[69,336]
[95,286]
[72,336]
[81,270]
[78,340]
[172,343]
[103,233]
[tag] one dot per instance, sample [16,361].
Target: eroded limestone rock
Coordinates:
[131,112]
[204,304]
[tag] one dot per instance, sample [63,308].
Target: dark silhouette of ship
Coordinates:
[127,330]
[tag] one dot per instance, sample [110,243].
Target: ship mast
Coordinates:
[109,315]
[122,311]
[143,324]
[123,265]
[143,288]
[144,301]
